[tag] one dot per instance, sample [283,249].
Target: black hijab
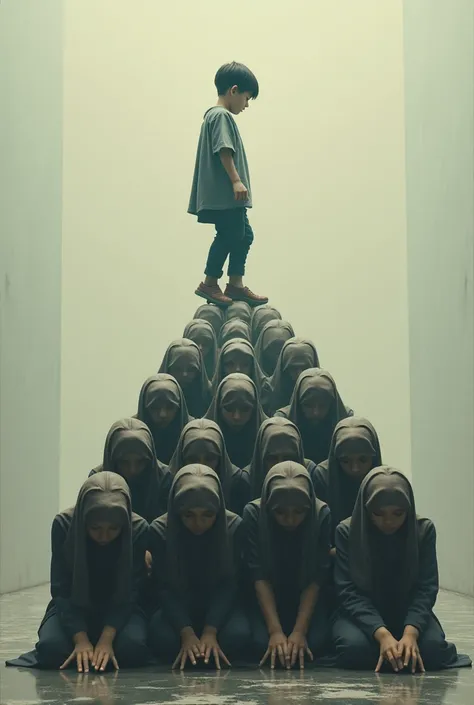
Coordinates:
[289,484]
[104,496]
[205,431]
[197,486]
[352,435]
[201,332]
[213,314]
[239,309]
[260,317]
[381,487]
[198,393]
[274,433]
[234,328]
[239,442]
[243,348]
[270,342]
[156,389]
[316,438]
[133,436]
[295,349]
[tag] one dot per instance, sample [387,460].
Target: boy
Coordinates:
[221,187]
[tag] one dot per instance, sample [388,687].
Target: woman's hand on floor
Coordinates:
[297,647]
[388,650]
[103,653]
[277,645]
[408,649]
[83,653]
[190,648]
[210,645]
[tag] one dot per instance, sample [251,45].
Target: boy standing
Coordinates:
[221,187]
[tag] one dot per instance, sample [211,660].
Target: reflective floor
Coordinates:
[20,614]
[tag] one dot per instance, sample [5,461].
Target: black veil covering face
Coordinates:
[276,436]
[201,437]
[183,360]
[157,390]
[318,386]
[234,390]
[297,355]
[240,310]
[270,342]
[351,435]
[232,329]
[202,333]
[132,436]
[260,317]
[213,314]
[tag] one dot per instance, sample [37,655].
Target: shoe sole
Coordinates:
[211,300]
[250,302]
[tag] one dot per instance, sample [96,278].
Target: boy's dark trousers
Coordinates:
[233,238]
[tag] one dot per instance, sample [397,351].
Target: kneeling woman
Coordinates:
[287,555]
[236,409]
[129,451]
[97,577]
[183,360]
[278,440]
[202,442]
[162,407]
[316,408]
[386,578]
[196,551]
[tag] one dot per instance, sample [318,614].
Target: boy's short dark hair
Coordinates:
[235,74]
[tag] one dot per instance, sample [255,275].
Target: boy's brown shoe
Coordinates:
[213,295]
[238,293]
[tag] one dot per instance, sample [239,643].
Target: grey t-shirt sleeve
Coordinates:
[222,132]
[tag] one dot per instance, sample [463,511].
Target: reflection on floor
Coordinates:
[20,614]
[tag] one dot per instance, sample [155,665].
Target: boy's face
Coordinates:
[238,101]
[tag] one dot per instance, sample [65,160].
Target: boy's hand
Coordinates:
[240,191]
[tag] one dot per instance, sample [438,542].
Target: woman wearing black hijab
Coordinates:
[270,342]
[202,442]
[183,360]
[238,356]
[287,556]
[213,314]
[240,310]
[232,329]
[162,407]
[386,578]
[315,408]
[97,577]
[354,451]
[296,356]
[202,333]
[236,409]
[278,440]
[129,451]
[260,317]
[196,553]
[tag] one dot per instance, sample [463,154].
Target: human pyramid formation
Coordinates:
[242,515]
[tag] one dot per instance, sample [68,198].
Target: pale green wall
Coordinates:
[30,285]
[439,84]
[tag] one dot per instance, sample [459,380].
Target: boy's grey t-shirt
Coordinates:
[212,188]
